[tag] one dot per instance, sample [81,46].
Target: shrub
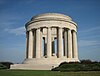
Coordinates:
[2,66]
[7,64]
[85,65]
[86,61]
[62,63]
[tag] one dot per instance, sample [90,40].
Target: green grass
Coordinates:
[46,73]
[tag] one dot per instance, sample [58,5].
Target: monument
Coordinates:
[51,39]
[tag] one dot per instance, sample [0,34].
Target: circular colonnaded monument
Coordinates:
[51,39]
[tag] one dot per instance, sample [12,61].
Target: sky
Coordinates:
[14,14]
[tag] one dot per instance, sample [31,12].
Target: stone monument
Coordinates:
[51,39]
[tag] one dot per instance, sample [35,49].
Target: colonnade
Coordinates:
[66,43]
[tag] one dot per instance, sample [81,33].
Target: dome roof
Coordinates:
[51,16]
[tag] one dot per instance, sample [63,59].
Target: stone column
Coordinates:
[60,43]
[38,43]
[27,38]
[30,47]
[75,53]
[65,42]
[69,44]
[48,42]
[34,43]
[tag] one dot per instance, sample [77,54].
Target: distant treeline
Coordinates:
[83,65]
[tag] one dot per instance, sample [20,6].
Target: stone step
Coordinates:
[31,67]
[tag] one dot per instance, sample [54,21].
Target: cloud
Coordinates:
[84,43]
[16,31]
[90,30]
[7,21]
[89,33]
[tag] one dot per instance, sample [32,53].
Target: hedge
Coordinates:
[90,66]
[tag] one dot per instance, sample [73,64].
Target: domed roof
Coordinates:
[51,16]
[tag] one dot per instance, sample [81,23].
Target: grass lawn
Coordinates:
[46,73]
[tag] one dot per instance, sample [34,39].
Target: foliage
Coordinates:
[5,65]
[2,66]
[84,65]
[86,61]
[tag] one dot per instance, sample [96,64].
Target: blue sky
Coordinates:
[15,13]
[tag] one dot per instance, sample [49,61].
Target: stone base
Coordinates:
[42,63]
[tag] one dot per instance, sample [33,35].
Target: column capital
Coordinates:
[29,30]
[59,27]
[74,31]
[69,29]
[48,27]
